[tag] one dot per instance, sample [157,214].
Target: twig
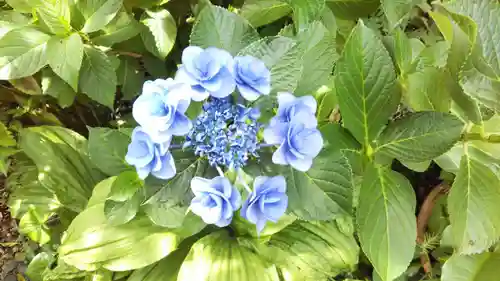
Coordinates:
[423,219]
[130,54]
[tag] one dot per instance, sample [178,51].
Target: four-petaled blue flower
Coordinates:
[290,106]
[208,72]
[150,157]
[253,79]
[161,107]
[267,202]
[215,200]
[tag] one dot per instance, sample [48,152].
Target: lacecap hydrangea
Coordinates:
[227,133]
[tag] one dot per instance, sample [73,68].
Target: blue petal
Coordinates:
[227,84]
[200,185]
[279,156]
[247,92]
[310,102]
[285,98]
[180,126]
[167,170]
[213,84]
[143,172]
[308,142]
[223,57]
[300,164]
[276,134]
[184,76]
[189,55]
[260,225]
[235,199]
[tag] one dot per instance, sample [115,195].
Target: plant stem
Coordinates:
[219,170]
[240,179]
[493,138]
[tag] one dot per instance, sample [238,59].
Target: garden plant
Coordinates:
[270,140]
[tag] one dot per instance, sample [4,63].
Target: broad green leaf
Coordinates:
[38,265]
[282,56]
[63,271]
[386,221]
[130,77]
[482,267]
[32,225]
[119,213]
[243,227]
[305,12]
[65,58]
[98,77]
[262,12]
[425,90]
[404,51]
[23,6]
[353,9]
[473,205]
[6,138]
[124,199]
[434,55]
[417,166]
[10,20]
[218,27]
[5,162]
[98,13]
[54,86]
[397,10]
[22,53]
[312,250]
[63,163]
[420,136]
[107,150]
[27,85]
[168,206]
[160,32]
[220,257]
[121,28]
[327,101]
[450,161]
[155,67]
[91,243]
[124,186]
[483,89]
[366,84]
[318,60]
[165,270]
[55,15]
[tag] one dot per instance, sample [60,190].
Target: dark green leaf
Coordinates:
[119,213]
[262,12]
[54,86]
[27,85]
[353,9]
[98,77]
[386,221]
[366,85]
[305,12]
[125,186]
[218,27]
[397,10]
[426,90]
[98,13]
[65,58]
[6,138]
[121,28]
[160,32]
[164,270]
[107,149]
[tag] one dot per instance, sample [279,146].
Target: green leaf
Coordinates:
[5,153]
[425,90]
[420,136]
[318,60]
[282,56]
[6,138]
[119,213]
[473,205]
[55,15]
[10,20]
[405,51]
[160,32]
[417,166]
[397,10]
[27,85]
[485,266]
[366,84]
[218,27]
[38,265]
[130,77]
[305,12]
[312,250]
[54,86]
[23,52]
[121,28]
[98,13]
[22,6]
[62,160]
[220,257]
[124,186]
[107,149]
[65,58]
[262,12]
[327,101]
[124,199]
[168,206]
[92,243]
[386,221]
[98,77]
[32,225]
[353,9]
[165,270]
[63,271]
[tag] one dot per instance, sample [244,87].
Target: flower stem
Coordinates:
[242,181]
[221,173]
[264,145]
[175,146]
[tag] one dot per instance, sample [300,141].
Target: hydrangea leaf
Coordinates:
[220,257]
[107,149]
[6,138]
[121,28]
[305,12]
[10,20]
[425,90]
[218,27]
[61,156]
[397,10]
[98,77]
[98,13]
[27,85]
[23,52]
[282,56]
[485,266]
[262,12]
[353,9]
[130,77]
[472,205]
[38,265]
[23,6]
[386,221]
[166,269]
[366,84]
[55,15]
[65,57]
[54,86]
[160,33]
[313,250]
[420,136]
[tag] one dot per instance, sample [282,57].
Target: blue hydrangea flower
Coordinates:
[149,157]
[253,79]
[208,72]
[298,143]
[267,202]
[290,106]
[225,133]
[215,200]
[160,109]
